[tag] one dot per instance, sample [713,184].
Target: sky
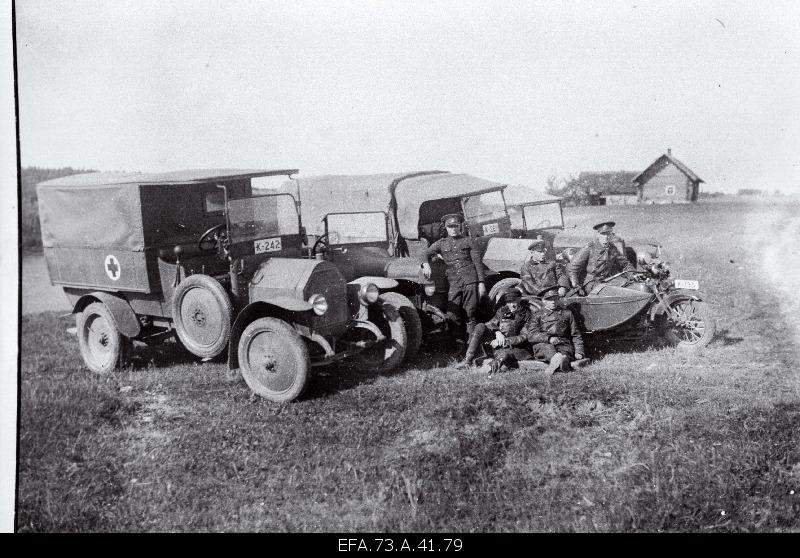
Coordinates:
[508,91]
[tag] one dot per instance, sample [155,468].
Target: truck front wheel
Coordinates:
[274,360]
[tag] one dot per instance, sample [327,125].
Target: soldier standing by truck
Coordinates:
[464,274]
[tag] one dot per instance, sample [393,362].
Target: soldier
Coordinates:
[464,272]
[552,334]
[507,321]
[597,260]
[537,274]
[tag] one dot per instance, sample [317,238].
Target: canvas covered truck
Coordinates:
[375,226]
[202,256]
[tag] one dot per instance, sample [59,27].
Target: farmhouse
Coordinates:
[609,188]
[667,180]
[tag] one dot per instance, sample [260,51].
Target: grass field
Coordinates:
[644,439]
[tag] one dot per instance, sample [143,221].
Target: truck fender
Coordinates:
[669,299]
[382,283]
[121,312]
[277,307]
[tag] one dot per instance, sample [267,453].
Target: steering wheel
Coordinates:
[321,241]
[209,239]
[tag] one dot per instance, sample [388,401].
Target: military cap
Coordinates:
[537,244]
[511,296]
[549,292]
[605,227]
[453,219]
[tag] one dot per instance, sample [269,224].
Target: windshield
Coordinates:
[485,207]
[262,216]
[543,216]
[354,228]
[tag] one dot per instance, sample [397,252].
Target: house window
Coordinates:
[670,190]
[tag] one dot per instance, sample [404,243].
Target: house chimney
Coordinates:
[669,151]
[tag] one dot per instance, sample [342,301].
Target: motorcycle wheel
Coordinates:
[689,323]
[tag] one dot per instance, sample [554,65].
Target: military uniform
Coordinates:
[507,322]
[546,324]
[537,276]
[464,272]
[595,262]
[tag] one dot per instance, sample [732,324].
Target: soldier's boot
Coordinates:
[555,363]
[466,362]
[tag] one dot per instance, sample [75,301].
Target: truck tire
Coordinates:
[102,346]
[500,288]
[274,360]
[388,355]
[411,320]
[202,314]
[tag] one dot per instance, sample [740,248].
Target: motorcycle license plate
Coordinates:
[687,284]
[491,228]
[267,245]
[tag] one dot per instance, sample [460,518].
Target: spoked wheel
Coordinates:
[102,346]
[274,360]
[387,355]
[689,323]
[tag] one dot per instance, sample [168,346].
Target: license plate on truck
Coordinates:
[687,284]
[268,245]
[491,228]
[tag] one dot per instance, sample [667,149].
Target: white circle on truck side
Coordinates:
[112,267]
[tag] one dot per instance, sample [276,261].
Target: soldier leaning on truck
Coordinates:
[464,273]
[597,260]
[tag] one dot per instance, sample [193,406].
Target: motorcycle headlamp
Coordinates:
[318,304]
[368,293]
[430,289]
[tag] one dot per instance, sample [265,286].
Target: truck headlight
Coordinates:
[318,304]
[430,289]
[368,293]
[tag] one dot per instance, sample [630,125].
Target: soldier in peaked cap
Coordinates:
[537,273]
[597,260]
[464,273]
[551,334]
[507,321]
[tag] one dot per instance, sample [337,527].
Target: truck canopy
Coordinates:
[401,195]
[104,209]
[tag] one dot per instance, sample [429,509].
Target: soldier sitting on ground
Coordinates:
[538,274]
[507,321]
[552,334]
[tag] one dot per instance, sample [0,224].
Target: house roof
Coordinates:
[660,163]
[609,183]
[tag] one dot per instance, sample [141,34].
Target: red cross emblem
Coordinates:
[112,267]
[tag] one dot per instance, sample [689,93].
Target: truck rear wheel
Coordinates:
[202,314]
[387,355]
[274,360]
[101,344]
[411,320]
